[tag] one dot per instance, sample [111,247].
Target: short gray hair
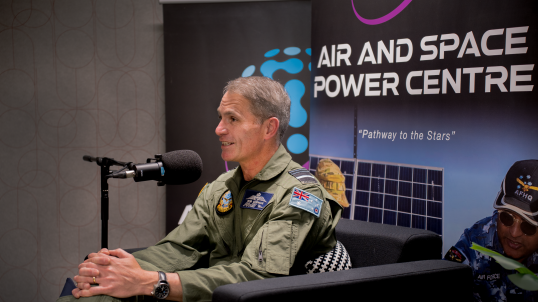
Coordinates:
[267,97]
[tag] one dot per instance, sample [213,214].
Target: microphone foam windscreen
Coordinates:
[181,167]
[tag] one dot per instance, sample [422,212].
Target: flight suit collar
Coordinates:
[278,163]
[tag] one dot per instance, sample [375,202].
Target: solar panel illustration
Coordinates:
[391,193]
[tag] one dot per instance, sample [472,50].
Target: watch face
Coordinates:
[162,291]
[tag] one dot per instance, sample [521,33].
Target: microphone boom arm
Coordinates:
[106,161]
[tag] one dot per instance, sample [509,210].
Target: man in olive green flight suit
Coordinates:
[264,219]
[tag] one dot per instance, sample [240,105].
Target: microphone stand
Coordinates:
[105,163]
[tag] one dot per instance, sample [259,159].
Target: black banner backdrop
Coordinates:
[209,44]
[424,105]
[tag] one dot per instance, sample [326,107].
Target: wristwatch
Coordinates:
[161,289]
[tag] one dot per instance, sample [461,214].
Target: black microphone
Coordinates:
[171,168]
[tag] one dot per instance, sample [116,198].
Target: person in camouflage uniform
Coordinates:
[510,231]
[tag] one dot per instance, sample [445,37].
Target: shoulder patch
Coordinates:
[225,204]
[306,201]
[303,175]
[454,255]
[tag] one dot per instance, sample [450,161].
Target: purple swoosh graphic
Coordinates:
[385,18]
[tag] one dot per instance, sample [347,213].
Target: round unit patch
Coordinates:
[225,204]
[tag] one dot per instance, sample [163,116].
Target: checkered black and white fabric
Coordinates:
[336,260]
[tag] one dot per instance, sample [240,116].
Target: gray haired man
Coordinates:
[266,218]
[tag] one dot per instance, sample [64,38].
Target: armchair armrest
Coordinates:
[429,280]
[370,244]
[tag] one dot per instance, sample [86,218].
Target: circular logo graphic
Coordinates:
[297,143]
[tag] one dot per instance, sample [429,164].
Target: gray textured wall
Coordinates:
[76,77]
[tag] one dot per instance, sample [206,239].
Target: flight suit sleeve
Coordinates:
[179,250]
[460,251]
[183,247]
[271,252]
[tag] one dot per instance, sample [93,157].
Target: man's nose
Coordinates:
[515,229]
[221,129]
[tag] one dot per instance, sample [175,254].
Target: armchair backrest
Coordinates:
[370,243]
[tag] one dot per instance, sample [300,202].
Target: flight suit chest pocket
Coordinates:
[275,247]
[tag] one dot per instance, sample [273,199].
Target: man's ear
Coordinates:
[271,125]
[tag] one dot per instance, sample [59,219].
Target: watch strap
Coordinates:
[162,277]
[162,284]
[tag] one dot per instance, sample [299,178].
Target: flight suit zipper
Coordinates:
[255,226]
[228,250]
[240,196]
[260,251]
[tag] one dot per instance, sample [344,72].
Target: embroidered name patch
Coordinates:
[225,204]
[255,200]
[306,201]
[303,175]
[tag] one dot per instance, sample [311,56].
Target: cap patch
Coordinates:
[525,186]
[225,204]
[306,201]
[255,200]
[303,175]
[454,255]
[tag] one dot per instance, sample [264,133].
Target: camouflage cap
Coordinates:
[332,179]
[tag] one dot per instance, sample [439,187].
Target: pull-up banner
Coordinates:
[423,105]
[209,44]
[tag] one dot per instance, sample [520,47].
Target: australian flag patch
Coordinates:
[305,201]
[303,175]
[255,200]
